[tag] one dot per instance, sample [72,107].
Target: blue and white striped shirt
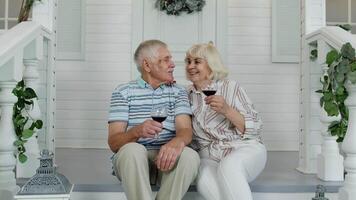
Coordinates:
[132,102]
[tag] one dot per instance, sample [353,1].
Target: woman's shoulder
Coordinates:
[230,83]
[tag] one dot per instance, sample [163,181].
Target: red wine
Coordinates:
[159,119]
[209,92]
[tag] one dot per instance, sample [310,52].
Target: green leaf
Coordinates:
[333,124]
[30,102]
[340,78]
[341,98]
[353,66]
[331,108]
[21,84]
[339,139]
[319,91]
[343,67]
[18,142]
[21,104]
[27,133]
[39,124]
[347,51]
[22,158]
[30,93]
[351,76]
[321,101]
[332,56]
[328,96]
[340,90]
[313,54]
[346,27]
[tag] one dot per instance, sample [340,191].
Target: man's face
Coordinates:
[162,67]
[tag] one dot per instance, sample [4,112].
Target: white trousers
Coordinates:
[229,178]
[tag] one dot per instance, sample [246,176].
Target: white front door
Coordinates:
[179,32]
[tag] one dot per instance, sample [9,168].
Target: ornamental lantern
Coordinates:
[46,183]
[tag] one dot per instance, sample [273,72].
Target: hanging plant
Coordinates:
[24,124]
[176,7]
[341,69]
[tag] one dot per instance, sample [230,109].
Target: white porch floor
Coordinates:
[90,171]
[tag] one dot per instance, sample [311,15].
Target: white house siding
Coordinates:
[273,87]
[84,87]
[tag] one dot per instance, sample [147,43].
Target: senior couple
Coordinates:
[212,139]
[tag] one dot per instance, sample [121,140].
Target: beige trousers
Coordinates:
[131,165]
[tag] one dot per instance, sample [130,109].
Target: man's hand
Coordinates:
[169,153]
[148,129]
[217,103]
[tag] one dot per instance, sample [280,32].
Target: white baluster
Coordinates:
[329,161]
[7,139]
[31,77]
[348,190]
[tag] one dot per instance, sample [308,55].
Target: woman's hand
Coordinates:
[218,104]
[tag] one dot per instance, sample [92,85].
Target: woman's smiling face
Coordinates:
[197,69]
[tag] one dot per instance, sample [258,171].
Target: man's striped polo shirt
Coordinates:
[132,102]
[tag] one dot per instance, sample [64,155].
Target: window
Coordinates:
[70,29]
[9,10]
[285,31]
[340,12]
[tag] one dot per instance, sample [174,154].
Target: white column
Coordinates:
[43,13]
[31,78]
[329,161]
[7,138]
[348,190]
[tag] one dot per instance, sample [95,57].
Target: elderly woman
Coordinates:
[226,128]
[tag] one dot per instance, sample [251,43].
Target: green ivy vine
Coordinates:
[24,124]
[341,68]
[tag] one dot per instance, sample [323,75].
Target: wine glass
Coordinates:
[209,89]
[159,114]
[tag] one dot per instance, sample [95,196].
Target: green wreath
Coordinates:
[176,7]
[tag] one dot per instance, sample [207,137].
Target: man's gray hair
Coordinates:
[147,49]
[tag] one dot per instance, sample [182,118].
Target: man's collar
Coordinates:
[143,84]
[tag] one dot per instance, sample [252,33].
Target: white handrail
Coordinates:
[324,40]
[16,38]
[20,47]
[333,35]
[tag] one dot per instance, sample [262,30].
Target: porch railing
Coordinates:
[314,136]
[26,52]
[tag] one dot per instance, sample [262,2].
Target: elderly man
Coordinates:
[138,141]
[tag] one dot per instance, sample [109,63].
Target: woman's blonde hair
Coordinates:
[209,53]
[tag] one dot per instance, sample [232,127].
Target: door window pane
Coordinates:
[336,10]
[14,8]
[2,8]
[2,24]
[353,11]
[12,24]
